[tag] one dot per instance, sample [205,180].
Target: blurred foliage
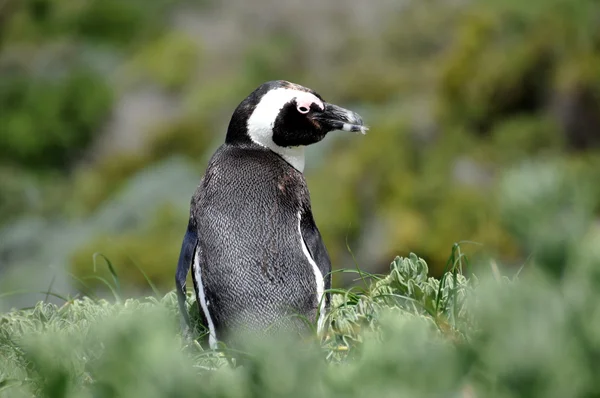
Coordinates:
[138,254]
[501,97]
[454,93]
[92,186]
[169,60]
[510,60]
[14,193]
[47,121]
[102,21]
[404,333]
[52,96]
[55,96]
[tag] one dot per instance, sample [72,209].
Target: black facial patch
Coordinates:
[293,128]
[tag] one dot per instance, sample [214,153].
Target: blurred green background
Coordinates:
[110,109]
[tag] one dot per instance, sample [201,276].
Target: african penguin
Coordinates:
[257,258]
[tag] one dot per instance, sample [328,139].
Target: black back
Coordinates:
[254,272]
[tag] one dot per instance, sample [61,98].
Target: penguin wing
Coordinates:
[190,241]
[316,247]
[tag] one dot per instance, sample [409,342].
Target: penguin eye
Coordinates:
[303,109]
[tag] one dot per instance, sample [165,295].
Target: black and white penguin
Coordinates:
[258,261]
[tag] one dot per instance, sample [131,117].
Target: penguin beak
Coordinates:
[337,118]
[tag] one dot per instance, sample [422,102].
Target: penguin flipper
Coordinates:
[318,251]
[190,241]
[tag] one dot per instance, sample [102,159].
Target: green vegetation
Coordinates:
[36,132]
[95,348]
[454,94]
[406,333]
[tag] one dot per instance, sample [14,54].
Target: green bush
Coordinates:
[102,21]
[509,60]
[48,121]
[148,252]
[404,333]
[453,92]
[170,60]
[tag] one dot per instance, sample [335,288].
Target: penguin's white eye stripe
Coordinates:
[303,109]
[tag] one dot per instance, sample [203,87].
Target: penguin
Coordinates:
[257,258]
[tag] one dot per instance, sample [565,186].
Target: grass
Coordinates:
[406,334]
[402,334]
[86,346]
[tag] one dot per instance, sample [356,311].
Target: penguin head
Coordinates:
[285,117]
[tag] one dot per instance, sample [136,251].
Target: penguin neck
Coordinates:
[237,134]
[294,155]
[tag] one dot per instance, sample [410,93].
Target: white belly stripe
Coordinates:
[318,278]
[212,337]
